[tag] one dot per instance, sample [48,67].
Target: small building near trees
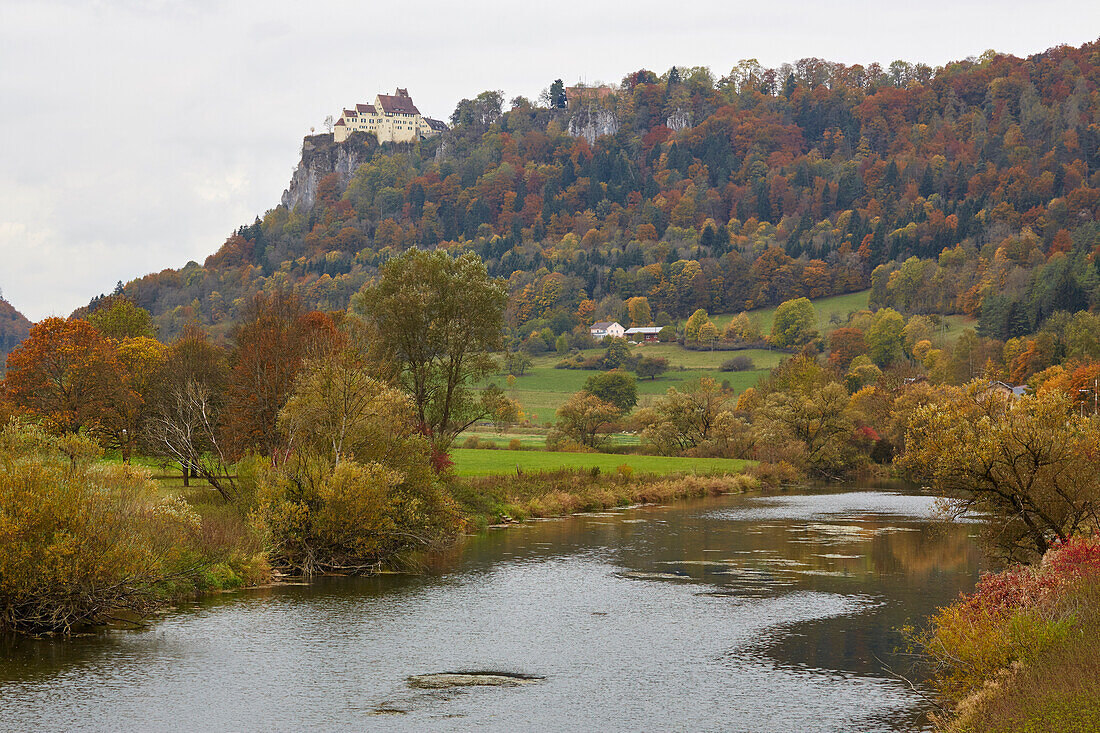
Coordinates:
[644,333]
[606,328]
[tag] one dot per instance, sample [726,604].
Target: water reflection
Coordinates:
[740,613]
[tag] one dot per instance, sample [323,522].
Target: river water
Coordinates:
[774,613]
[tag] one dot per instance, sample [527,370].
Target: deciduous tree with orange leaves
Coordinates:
[66,374]
[275,335]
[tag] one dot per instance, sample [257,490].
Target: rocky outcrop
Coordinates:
[322,156]
[680,119]
[591,122]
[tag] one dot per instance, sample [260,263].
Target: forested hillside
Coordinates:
[724,192]
[14,327]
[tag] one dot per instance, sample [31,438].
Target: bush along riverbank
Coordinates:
[1022,653]
[83,542]
[494,499]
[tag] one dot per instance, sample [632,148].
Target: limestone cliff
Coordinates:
[591,122]
[320,157]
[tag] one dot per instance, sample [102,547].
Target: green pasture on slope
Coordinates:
[840,306]
[835,305]
[541,391]
[482,462]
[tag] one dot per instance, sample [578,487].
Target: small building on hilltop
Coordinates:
[606,328]
[392,118]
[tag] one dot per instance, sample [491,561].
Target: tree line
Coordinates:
[721,192]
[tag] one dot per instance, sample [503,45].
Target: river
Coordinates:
[741,613]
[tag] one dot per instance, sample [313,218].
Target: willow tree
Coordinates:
[1029,464]
[432,321]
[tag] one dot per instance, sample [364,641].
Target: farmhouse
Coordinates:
[644,333]
[1006,390]
[392,118]
[606,328]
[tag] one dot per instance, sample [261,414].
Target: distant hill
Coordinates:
[696,189]
[14,327]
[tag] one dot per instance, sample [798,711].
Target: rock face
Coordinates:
[591,122]
[320,157]
[679,120]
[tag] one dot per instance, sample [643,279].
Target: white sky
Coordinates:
[136,136]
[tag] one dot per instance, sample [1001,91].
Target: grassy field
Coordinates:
[836,305]
[480,462]
[543,389]
[840,306]
[534,438]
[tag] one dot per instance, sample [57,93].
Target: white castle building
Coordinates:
[392,118]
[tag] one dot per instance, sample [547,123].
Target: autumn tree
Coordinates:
[616,386]
[818,420]
[517,362]
[434,321]
[708,333]
[119,318]
[845,344]
[742,328]
[794,324]
[1027,463]
[698,420]
[638,308]
[274,337]
[584,419]
[188,415]
[339,410]
[357,486]
[651,367]
[141,366]
[65,373]
[694,323]
[186,427]
[886,337]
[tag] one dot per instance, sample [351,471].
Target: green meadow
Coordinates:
[543,389]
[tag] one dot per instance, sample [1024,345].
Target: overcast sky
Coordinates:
[137,135]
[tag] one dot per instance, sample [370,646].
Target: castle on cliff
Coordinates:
[392,118]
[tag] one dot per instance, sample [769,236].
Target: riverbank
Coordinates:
[1022,653]
[670,611]
[490,500]
[83,542]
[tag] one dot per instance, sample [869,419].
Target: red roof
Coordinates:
[350,113]
[397,104]
[340,123]
[365,108]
